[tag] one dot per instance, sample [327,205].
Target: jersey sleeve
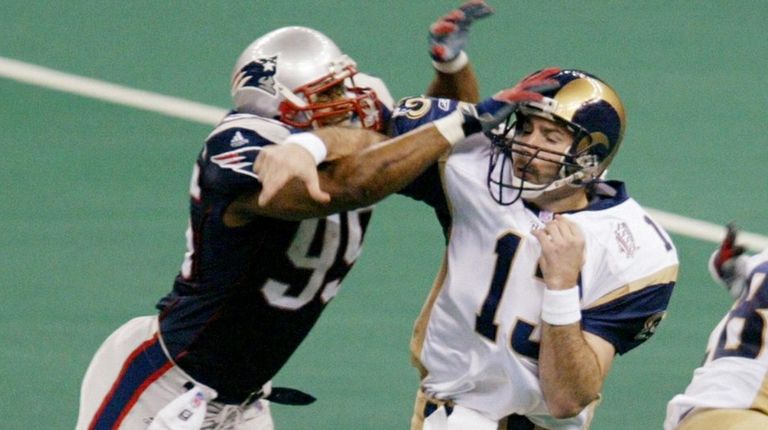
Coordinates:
[629,273]
[227,160]
[410,113]
[631,319]
[629,316]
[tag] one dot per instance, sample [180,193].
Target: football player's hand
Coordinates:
[448,35]
[277,165]
[495,110]
[485,116]
[727,252]
[562,253]
[727,263]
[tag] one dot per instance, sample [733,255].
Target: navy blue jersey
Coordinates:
[247,296]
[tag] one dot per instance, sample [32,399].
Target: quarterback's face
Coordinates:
[541,146]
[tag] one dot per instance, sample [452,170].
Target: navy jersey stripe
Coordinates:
[144,366]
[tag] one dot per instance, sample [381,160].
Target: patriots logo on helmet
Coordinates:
[260,74]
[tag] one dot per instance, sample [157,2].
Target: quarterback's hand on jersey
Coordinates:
[562,253]
[277,165]
[728,264]
[448,35]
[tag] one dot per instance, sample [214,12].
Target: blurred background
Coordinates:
[94,194]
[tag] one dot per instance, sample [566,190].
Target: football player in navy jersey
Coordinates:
[730,389]
[550,270]
[268,244]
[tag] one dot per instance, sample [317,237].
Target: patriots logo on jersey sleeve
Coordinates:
[237,160]
[259,74]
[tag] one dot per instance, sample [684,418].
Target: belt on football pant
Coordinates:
[280,395]
[513,422]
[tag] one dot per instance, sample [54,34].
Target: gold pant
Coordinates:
[725,419]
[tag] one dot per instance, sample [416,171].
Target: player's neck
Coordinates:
[564,199]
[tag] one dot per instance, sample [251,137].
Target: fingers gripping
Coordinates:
[531,87]
[495,110]
[486,115]
[562,252]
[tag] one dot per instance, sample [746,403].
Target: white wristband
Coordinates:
[452,66]
[561,307]
[311,143]
[450,126]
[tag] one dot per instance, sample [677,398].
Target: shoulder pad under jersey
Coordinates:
[231,149]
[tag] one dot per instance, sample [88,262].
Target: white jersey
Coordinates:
[735,372]
[477,337]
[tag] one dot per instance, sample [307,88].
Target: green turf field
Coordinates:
[94,195]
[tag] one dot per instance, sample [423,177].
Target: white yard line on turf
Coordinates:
[198,112]
[93,88]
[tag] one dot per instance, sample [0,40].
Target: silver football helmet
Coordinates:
[299,76]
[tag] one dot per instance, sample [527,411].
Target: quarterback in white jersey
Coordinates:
[544,280]
[731,387]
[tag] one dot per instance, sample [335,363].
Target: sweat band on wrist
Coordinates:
[561,307]
[452,66]
[451,127]
[311,143]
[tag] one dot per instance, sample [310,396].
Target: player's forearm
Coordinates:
[341,141]
[357,179]
[384,168]
[461,85]
[569,371]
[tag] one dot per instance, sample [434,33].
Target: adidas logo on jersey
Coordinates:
[238,140]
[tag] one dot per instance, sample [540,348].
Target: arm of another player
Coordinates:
[356,180]
[454,76]
[296,158]
[572,363]
[363,177]
[289,175]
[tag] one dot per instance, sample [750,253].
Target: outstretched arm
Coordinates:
[369,168]
[296,157]
[357,179]
[454,76]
